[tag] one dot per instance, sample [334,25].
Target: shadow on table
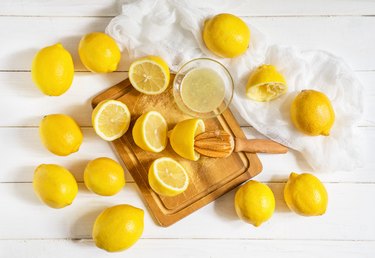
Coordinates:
[224,206]
[82,227]
[25,192]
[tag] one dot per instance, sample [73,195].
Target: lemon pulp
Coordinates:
[167,177]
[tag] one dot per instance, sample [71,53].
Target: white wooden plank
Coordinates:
[21,151]
[349,216]
[197,248]
[27,104]
[347,36]
[252,8]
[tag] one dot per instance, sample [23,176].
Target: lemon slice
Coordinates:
[167,177]
[182,137]
[149,75]
[111,119]
[266,84]
[150,132]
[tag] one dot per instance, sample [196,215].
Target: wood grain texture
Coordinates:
[345,36]
[18,93]
[189,248]
[252,8]
[347,230]
[25,144]
[349,216]
[206,183]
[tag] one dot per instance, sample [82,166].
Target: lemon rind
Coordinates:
[97,115]
[138,62]
[169,187]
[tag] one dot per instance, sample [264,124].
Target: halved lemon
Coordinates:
[182,137]
[266,84]
[167,177]
[149,75]
[110,119]
[150,132]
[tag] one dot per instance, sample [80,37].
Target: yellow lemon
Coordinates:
[52,70]
[254,202]
[104,176]
[226,35]
[119,227]
[150,132]
[167,177]
[99,52]
[149,75]
[60,134]
[54,185]
[306,195]
[312,113]
[265,84]
[111,119]
[182,137]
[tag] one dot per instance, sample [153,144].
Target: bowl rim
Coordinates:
[211,114]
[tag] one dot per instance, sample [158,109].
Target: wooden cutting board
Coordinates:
[209,177]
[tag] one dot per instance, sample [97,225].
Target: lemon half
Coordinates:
[182,137]
[167,177]
[111,119]
[149,75]
[266,84]
[150,132]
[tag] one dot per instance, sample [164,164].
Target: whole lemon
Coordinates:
[60,134]
[312,113]
[118,228]
[104,176]
[306,195]
[254,202]
[52,70]
[226,35]
[54,185]
[99,52]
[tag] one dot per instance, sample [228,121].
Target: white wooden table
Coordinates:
[31,229]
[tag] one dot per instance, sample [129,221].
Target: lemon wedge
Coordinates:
[150,132]
[182,137]
[111,119]
[167,177]
[149,75]
[266,84]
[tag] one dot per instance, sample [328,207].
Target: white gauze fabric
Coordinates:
[172,29]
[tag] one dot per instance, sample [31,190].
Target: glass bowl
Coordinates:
[216,71]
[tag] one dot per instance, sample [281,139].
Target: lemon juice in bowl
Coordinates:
[203,88]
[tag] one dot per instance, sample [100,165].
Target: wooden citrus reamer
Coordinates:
[220,144]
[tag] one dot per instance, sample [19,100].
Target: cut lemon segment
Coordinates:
[167,177]
[182,137]
[149,75]
[266,84]
[150,132]
[111,119]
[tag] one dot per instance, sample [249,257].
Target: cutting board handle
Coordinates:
[259,146]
